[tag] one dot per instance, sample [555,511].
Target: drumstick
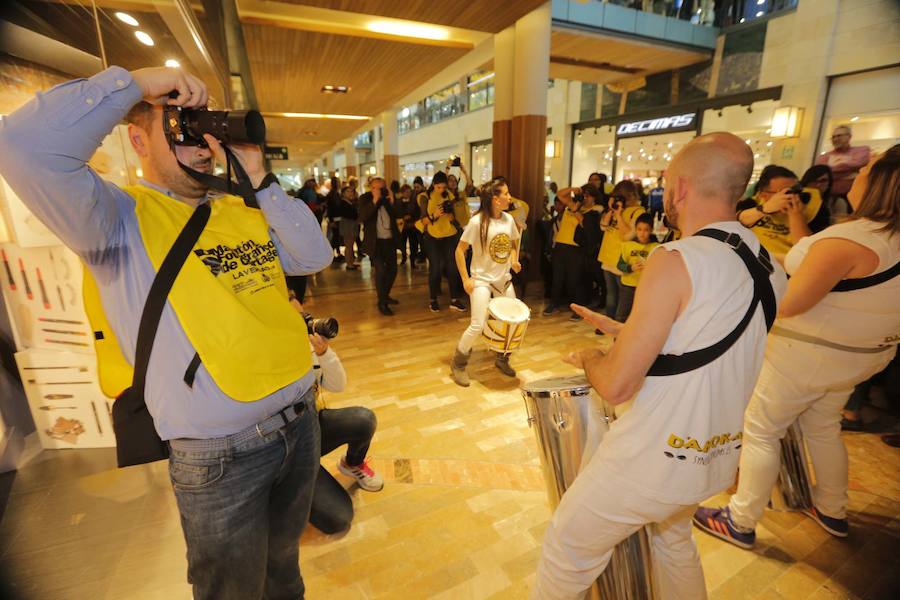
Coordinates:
[44,297]
[9,275]
[25,280]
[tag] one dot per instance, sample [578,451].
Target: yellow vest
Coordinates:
[443,227]
[461,210]
[611,248]
[567,226]
[230,298]
[632,254]
[773,231]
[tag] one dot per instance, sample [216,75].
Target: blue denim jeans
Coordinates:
[244,508]
[613,282]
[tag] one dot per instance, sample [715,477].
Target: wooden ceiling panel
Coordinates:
[290,67]
[481,15]
[615,50]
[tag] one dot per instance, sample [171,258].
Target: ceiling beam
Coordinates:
[589,64]
[324,20]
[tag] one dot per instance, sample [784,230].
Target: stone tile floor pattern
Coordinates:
[463,511]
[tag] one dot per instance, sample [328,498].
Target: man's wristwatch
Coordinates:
[268,180]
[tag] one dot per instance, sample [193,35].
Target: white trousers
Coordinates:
[478,302]
[811,383]
[596,513]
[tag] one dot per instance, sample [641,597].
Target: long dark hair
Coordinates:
[486,195]
[813,173]
[881,200]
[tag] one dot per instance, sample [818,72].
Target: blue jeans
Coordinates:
[243,510]
[612,293]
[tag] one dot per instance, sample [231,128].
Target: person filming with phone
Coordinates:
[229,381]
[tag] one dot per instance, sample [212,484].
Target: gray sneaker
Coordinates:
[458,368]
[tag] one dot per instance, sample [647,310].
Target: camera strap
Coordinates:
[241,187]
[760,268]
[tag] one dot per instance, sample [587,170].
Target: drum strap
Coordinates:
[760,268]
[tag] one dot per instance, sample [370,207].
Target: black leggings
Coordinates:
[568,275]
[441,254]
[332,508]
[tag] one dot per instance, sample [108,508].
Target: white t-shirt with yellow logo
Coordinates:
[491,264]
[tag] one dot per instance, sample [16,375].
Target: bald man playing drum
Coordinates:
[689,356]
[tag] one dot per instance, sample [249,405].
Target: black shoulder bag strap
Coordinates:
[849,285]
[137,441]
[760,268]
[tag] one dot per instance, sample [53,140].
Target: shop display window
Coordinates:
[879,131]
[593,151]
[482,162]
[753,126]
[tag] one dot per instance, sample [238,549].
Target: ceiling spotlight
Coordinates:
[172,63]
[749,141]
[144,38]
[756,155]
[628,158]
[749,109]
[579,133]
[669,145]
[720,112]
[335,89]
[854,119]
[768,144]
[595,131]
[408,29]
[127,19]
[650,157]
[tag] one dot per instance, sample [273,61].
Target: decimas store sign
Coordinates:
[685,122]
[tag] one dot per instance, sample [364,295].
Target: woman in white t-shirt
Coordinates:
[828,338]
[493,236]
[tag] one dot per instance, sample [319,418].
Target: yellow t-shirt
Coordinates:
[773,231]
[632,254]
[461,211]
[567,227]
[611,248]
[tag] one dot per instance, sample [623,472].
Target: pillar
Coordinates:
[391,145]
[529,122]
[504,76]
[350,160]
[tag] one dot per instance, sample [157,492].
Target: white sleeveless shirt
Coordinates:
[680,441]
[864,318]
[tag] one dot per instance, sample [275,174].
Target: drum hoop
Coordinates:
[570,393]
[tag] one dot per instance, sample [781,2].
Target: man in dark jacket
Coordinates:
[381,239]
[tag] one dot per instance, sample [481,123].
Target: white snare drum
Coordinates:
[507,320]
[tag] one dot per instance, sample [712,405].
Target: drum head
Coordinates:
[572,385]
[510,310]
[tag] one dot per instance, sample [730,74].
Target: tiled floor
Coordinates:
[464,508]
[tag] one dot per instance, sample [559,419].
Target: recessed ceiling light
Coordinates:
[127,19]
[144,38]
[854,119]
[172,63]
[335,89]
[413,30]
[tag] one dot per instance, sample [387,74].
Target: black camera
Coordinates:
[455,160]
[447,205]
[327,328]
[186,126]
[797,189]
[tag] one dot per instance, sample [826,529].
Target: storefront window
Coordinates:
[482,162]
[593,151]
[753,127]
[878,131]
[409,171]
[644,159]
[480,86]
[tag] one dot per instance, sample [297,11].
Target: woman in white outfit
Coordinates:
[825,342]
[493,236]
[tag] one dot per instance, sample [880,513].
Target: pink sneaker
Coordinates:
[367,479]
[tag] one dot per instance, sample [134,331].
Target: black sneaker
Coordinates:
[434,306]
[852,424]
[457,305]
[393,301]
[385,310]
[551,308]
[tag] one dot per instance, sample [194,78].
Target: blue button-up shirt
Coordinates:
[44,148]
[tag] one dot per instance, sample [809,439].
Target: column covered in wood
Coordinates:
[529,122]
[391,145]
[504,76]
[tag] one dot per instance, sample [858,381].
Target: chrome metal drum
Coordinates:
[569,421]
[794,483]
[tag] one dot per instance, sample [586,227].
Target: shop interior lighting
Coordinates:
[786,122]
[335,89]
[768,144]
[127,19]
[139,172]
[756,155]
[144,38]
[172,63]
[759,13]
[854,119]
[760,2]
[410,30]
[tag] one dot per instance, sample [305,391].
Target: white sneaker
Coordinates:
[367,479]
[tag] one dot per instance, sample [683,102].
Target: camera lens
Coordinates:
[237,126]
[327,328]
